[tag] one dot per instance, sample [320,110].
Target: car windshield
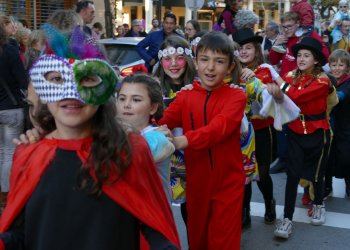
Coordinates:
[121,54]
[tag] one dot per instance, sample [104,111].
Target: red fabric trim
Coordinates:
[343,79]
[2,246]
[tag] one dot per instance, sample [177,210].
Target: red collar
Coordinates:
[343,79]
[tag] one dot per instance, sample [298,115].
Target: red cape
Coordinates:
[139,191]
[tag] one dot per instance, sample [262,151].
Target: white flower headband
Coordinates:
[236,53]
[172,51]
[195,41]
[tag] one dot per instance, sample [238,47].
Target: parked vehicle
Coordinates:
[122,54]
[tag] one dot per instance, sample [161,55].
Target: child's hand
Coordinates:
[166,131]
[247,74]
[187,87]
[236,86]
[281,40]
[180,142]
[338,22]
[275,91]
[30,137]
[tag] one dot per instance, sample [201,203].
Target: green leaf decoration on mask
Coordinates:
[102,77]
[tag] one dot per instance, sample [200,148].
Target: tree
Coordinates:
[327,8]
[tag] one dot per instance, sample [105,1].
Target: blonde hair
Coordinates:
[21,33]
[65,20]
[31,54]
[342,55]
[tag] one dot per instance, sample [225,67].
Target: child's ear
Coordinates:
[154,108]
[195,63]
[231,68]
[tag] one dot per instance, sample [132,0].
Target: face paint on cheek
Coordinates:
[178,62]
[181,61]
[166,62]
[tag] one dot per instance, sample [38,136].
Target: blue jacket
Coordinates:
[153,42]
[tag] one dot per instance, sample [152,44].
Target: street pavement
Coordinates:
[335,234]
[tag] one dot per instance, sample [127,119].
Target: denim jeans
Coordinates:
[11,126]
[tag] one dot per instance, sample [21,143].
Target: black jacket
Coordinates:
[12,73]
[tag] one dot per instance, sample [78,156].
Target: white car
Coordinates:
[122,54]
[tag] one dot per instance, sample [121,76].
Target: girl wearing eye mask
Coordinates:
[85,175]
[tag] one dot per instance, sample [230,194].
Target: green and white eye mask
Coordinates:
[95,79]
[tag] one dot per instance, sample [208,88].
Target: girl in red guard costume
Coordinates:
[308,138]
[210,115]
[87,184]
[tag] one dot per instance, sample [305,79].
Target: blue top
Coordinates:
[153,42]
[161,149]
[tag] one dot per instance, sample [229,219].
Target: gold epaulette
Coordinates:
[291,74]
[323,78]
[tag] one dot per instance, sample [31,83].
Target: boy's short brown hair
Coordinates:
[340,54]
[290,16]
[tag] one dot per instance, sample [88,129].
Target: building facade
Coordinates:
[36,12]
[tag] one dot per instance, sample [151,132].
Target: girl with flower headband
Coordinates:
[176,69]
[87,170]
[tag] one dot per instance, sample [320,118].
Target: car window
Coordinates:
[121,54]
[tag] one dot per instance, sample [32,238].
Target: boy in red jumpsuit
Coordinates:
[210,115]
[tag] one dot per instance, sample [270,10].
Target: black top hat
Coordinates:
[313,45]
[246,35]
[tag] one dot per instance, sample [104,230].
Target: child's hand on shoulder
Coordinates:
[187,87]
[31,136]
[237,86]
[166,131]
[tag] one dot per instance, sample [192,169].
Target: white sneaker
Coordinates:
[284,228]
[318,215]
[279,49]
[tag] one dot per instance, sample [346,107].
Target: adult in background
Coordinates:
[120,31]
[271,33]
[344,41]
[22,36]
[155,25]
[154,40]
[191,29]
[13,79]
[228,16]
[245,19]
[97,29]
[126,27]
[136,29]
[10,29]
[86,9]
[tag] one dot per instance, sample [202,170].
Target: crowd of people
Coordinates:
[86,163]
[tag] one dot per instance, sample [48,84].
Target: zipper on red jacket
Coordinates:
[192,120]
[206,123]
